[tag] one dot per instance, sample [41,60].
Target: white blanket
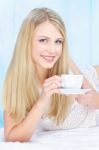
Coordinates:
[75,139]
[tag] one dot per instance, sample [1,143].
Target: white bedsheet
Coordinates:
[75,139]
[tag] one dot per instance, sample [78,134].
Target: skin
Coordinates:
[91,98]
[97,69]
[47,48]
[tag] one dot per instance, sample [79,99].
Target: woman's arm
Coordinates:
[94,101]
[97,69]
[91,98]
[23,131]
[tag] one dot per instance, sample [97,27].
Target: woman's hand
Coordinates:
[90,98]
[50,87]
[85,99]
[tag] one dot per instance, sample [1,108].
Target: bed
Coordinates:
[74,139]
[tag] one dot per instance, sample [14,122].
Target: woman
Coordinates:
[40,56]
[32,87]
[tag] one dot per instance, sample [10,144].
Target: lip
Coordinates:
[48,58]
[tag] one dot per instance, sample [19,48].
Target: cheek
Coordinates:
[34,54]
[60,52]
[35,50]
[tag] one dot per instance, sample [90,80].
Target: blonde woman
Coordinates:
[32,99]
[40,56]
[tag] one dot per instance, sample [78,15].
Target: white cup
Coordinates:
[71,81]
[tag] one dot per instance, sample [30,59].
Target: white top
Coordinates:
[80,116]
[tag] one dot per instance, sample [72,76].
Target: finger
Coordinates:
[51,87]
[85,96]
[51,91]
[54,91]
[53,78]
[76,96]
[85,100]
[55,84]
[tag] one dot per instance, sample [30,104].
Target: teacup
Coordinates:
[70,81]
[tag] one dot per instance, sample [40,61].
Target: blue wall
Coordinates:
[81,18]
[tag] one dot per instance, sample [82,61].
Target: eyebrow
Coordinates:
[61,38]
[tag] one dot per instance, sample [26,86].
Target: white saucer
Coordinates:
[73,91]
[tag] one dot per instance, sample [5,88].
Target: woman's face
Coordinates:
[46,45]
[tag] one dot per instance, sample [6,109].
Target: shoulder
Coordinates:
[97,68]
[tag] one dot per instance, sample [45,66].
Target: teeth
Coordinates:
[49,58]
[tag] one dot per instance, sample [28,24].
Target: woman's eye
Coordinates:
[43,40]
[58,42]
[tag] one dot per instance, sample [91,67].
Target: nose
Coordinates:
[52,48]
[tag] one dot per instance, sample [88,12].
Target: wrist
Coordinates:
[42,105]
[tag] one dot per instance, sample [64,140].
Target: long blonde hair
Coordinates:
[21,83]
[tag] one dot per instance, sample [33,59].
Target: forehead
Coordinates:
[47,29]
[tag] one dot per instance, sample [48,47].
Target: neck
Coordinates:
[42,74]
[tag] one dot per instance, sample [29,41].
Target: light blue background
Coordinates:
[80,16]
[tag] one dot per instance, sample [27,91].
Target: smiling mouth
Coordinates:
[48,58]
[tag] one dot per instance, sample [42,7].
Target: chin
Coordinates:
[48,66]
